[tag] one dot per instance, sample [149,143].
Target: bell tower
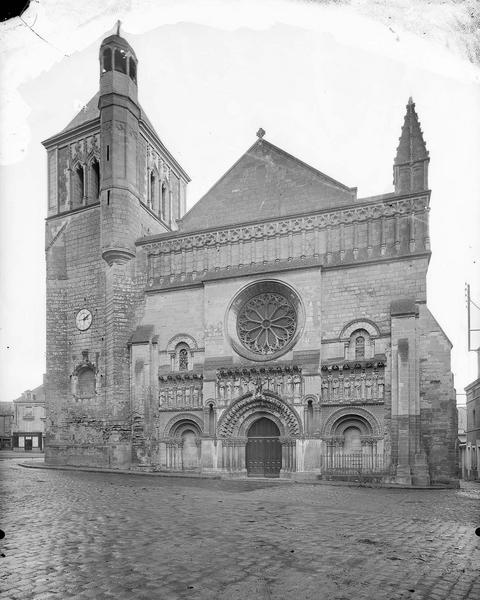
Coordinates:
[119,132]
[105,170]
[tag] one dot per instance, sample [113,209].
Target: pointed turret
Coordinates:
[410,169]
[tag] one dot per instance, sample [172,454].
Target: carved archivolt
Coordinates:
[179,423]
[351,415]
[365,324]
[182,338]
[313,398]
[236,419]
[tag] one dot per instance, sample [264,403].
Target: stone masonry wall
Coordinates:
[438,413]
[366,291]
[75,280]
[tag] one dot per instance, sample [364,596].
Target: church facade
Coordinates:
[279,328]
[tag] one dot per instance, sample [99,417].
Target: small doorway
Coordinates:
[28,444]
[263,451]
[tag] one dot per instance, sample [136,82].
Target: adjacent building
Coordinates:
[6,420]
[28,427]
[472,449]
[462,440]
[279,328]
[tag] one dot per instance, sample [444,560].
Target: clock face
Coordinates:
[83,319]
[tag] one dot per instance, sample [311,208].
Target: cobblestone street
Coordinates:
[94,535]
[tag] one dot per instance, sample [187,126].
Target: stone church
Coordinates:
[279,328]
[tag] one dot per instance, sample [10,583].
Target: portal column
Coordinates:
[289,455]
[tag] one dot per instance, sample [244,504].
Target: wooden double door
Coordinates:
[263,451]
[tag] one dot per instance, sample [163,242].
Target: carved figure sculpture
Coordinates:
[335,384]
[357,383]
[221,390]
[297,386]
[196,394]
[368,388]
[325,397]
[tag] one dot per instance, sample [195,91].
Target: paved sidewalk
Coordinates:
[21,454]
[98,535]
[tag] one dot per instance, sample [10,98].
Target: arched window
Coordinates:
[152,191]
[182,358]
[132,69]
[107,60]
[211,419]
[86,383]
[163,202]
[94,180]
[78,186]
[120,61]
[360,347]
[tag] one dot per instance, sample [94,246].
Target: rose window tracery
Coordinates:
[266,323]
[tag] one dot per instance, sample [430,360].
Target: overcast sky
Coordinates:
[327,81]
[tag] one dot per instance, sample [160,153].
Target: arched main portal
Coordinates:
[263,449]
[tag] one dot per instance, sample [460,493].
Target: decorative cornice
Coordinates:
[377,362]
[176,376]
[356,212]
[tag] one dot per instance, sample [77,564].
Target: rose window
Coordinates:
[266,323]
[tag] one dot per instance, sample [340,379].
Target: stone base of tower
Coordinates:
[111,456]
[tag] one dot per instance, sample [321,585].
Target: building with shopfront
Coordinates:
[278,328]
[28,426]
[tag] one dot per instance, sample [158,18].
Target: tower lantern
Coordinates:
[118,67]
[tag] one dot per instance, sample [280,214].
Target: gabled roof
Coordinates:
[266,182]
[87,113]
[91,111]
[411,145]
